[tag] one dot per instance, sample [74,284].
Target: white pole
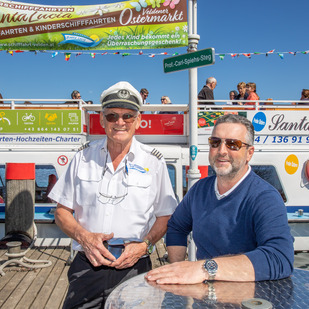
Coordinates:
[193,172]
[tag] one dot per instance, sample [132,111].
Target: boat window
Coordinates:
[2,183]
[172,173]
[45,177]
[267,172]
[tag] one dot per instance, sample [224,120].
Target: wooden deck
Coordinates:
[24,288]
[45,287]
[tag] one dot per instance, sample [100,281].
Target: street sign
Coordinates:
[190,60]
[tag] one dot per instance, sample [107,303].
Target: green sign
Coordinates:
[190,60]
[40,121]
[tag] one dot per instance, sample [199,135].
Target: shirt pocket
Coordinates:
[87,186]
[139,189]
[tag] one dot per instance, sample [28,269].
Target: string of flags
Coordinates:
[67,55]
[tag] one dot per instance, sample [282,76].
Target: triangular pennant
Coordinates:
[221,56]
[54,54]
[125,54]
[247,55]
[140,53]
[151,55]
[92,55]
[104,53]
[10,52]
[116,53]
[67,56]
[280,55]
[78,54]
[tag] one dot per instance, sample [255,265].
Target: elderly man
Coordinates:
[207,92]
[116,191]
[238,220]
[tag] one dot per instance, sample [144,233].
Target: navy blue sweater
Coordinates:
[252,220]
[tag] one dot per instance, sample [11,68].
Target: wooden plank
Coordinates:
[51,282]
[16,281]
[42,274]
[59,292]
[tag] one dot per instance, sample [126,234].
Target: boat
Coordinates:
[48,133]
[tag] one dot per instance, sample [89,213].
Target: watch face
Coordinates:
[211,266]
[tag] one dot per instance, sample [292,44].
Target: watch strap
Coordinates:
[149,246]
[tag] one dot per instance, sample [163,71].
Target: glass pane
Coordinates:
[172,173]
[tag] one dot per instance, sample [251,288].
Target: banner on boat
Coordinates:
[280,127]
[40,121]
[134,24]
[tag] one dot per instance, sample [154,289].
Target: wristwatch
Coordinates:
[149,246]
[211,267]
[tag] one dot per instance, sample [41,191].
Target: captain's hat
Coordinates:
[121,95]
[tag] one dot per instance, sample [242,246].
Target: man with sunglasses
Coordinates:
[121,196]
[238,220]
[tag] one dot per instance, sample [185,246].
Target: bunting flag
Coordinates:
[153,55]
[67,56]
[270,52]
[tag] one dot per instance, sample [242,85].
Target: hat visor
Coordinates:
[126,105]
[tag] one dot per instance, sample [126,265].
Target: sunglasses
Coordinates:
[232,144]
[114,117]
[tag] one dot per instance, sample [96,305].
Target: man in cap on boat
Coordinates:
[238,220]
[116,191]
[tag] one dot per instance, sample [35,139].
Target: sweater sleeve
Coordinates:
[180,224]
[274,255]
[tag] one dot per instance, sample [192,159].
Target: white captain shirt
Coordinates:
[125,201]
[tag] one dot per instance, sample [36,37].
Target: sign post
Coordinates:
[189,61]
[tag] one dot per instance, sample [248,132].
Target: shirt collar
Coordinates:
[130,155]
[221,196]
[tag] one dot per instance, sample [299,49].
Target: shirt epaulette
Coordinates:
[156,153]
[84,146]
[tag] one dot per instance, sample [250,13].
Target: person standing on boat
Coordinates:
[115,189]
[242,93]
[166,100]
[207,92]
[238,220]
[252,95]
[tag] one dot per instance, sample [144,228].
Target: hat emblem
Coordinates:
[123,94]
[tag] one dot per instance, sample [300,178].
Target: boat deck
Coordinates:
[45,287]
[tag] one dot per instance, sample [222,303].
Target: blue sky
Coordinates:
[228,26]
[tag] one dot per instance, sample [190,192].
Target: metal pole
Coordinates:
[193,172]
